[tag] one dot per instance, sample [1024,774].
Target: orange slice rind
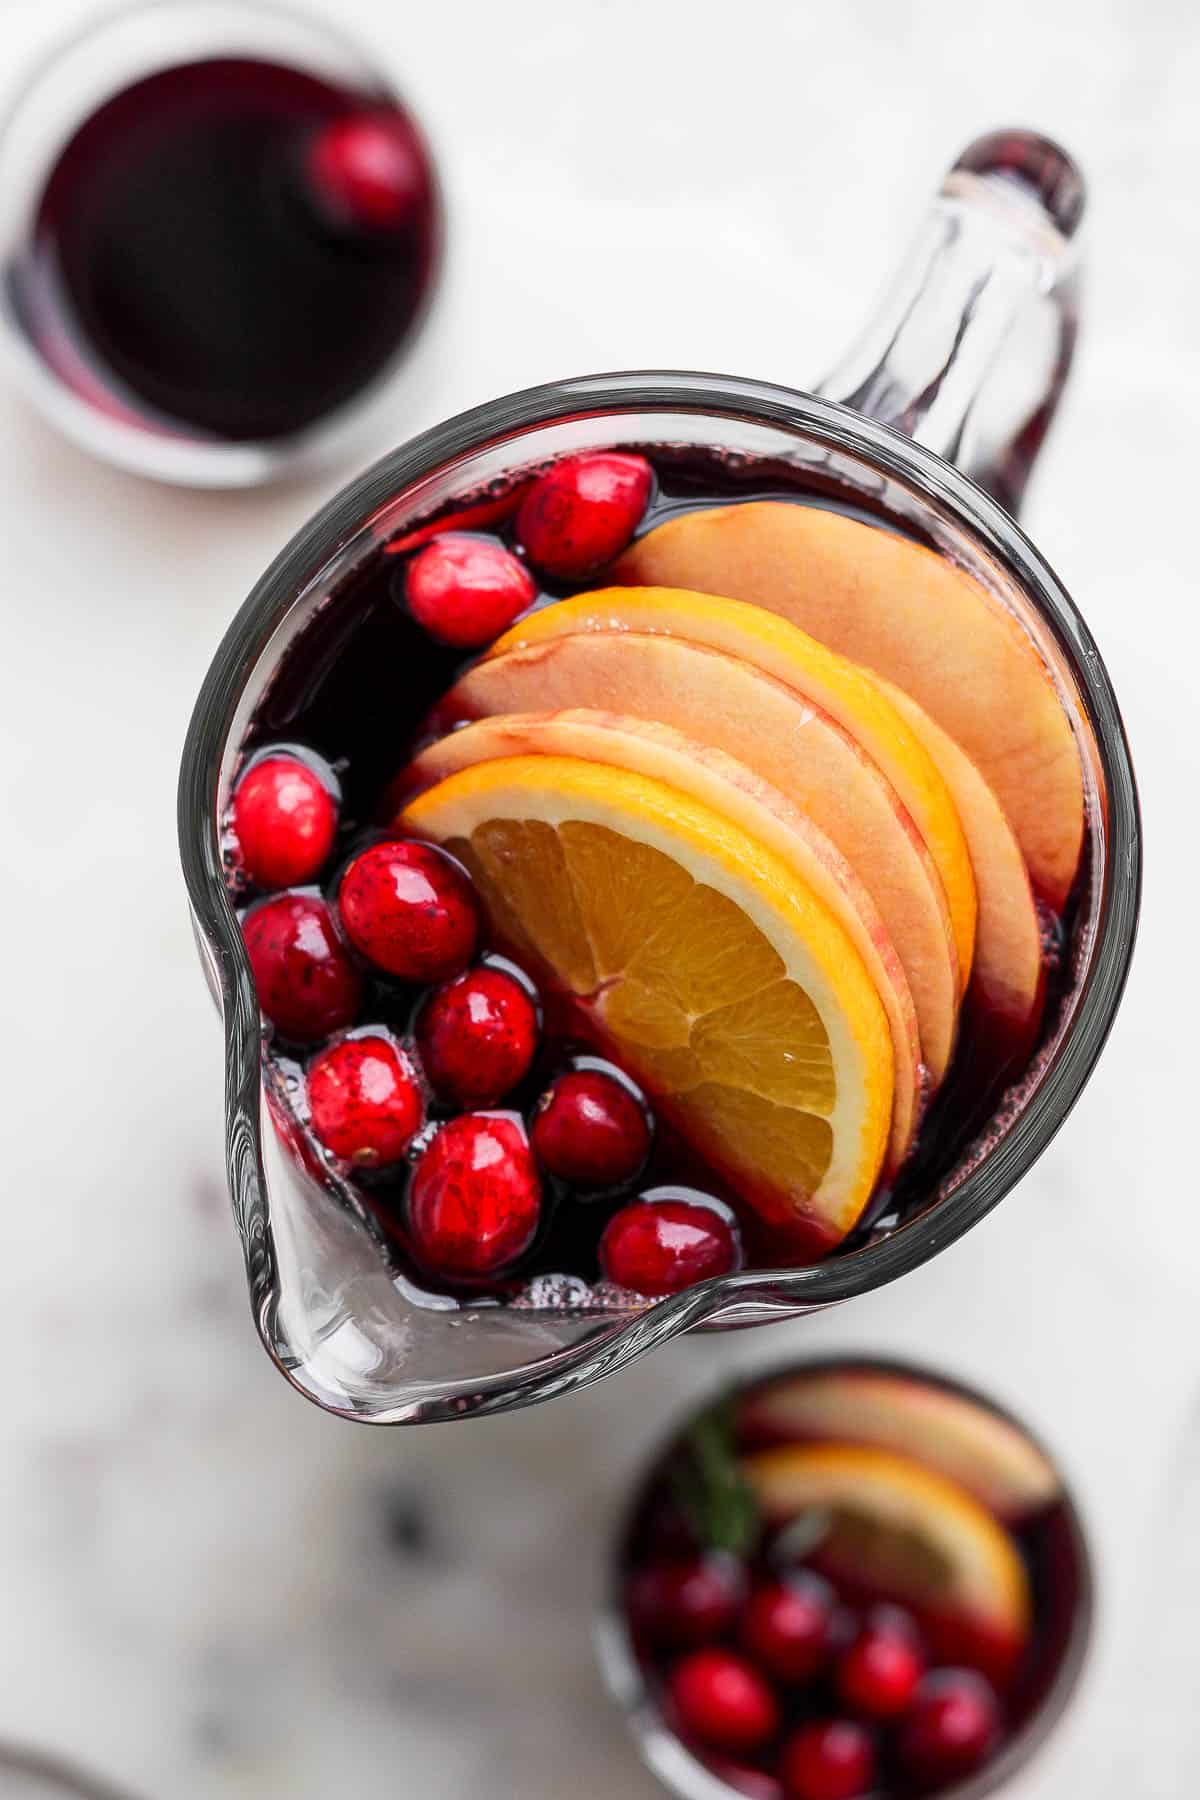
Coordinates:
[903,1532]
[945,1430]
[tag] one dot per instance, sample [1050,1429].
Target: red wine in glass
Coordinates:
[230,250]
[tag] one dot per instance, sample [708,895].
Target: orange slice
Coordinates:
[845,693]
[910,615]
[785,739]
[902,1532]
[1008,972]
[696,956]
[736,793]
[946,1431]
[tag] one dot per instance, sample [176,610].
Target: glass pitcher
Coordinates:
[934,417]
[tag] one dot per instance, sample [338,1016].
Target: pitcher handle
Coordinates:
[970,347]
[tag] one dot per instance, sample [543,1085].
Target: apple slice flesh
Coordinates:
[944,1430]
[734,791]
[1008,975]
[901,1532]
[849,696]
[731,706]
[913,617]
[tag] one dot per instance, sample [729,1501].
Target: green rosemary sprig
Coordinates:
[717,1502]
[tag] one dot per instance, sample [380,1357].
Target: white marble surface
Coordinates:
[199,1593]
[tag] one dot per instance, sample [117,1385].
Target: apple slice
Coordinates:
[729,788]
[778,648]
[945,1430]
[900,1532]
[726,703]
[909,615]
[1008,976]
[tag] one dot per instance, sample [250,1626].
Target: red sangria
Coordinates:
[230,248]
[849,1580]
[656,865]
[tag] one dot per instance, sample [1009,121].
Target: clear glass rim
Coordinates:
[716,396]
[683,1773]
[184,461]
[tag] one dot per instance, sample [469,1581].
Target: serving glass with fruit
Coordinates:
[843,1580]
[665,849]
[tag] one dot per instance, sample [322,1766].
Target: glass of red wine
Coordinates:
[847,1577]
[220,231]
[367,1290]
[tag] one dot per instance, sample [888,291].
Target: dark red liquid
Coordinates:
[358,685]
[663,1527]
[178,276]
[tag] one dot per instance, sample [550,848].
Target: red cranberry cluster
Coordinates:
[465,589]
[787,1692]
[415,1038]
[428,1072]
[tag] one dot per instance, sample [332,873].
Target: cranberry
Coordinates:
[662,1246]
[367,172]
[365,1101]
[580,513]
[410,910]
[829,1759]
[477,1036]
[879,1673]
[285,818]
[722,1699]
[307,984]
[474,1201]
[686,1601]
[953,1725]
[787,1625]
[466,590]
[590,1129]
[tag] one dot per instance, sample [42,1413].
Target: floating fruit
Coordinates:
[910,1536]
[367,172]
[829,1759]
[645,747]
[726,989]
[305,978]
[947,1431]
[918,620]
[1008,972]
[409,910]
[590,1129]
[463,590]
[788,1625]
[722,1700]
[953,1726]
[581,512]
[474,1201]
[284,817]
[842,691]
[685,1601]
[721,701]
[365,1101]
[879,1672]
[477,1036]
[666,1242]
